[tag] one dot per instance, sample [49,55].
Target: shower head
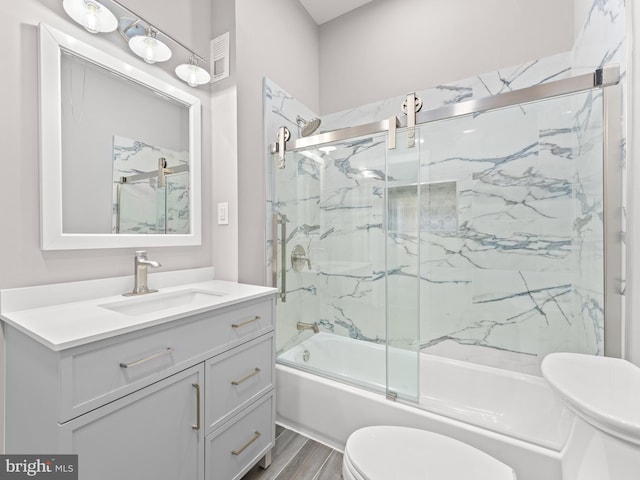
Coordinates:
[307,127]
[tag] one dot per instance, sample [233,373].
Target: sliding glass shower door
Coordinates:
[335,263]
[512,249]
[402,272]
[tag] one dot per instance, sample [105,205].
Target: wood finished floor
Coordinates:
[299,458]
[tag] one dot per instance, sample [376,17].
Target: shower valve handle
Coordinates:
[299,258]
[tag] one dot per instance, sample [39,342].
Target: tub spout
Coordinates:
[308,326]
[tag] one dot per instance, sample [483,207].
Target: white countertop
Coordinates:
[71,324]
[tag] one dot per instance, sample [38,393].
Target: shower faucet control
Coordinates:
[299,257]
[141,265]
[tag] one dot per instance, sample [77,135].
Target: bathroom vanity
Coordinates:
[176,384]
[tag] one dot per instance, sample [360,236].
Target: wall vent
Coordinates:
[220,58]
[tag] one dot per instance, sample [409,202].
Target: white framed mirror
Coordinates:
[119,152]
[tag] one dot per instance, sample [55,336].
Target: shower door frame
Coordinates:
[606,78]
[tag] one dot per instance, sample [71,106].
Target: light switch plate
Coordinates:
[223,213]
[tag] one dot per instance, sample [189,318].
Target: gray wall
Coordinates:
[391,47]
[22,262]
[224,143]
[97,106]
[276,39]
[279,40]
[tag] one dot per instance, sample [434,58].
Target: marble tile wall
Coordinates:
[143,206]
[500,252]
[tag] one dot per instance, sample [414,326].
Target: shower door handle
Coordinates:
[282,221]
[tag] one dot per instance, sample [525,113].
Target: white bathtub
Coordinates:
[513,417]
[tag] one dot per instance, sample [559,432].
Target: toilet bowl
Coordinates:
[389,452]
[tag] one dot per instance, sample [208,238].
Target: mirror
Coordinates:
[119,152]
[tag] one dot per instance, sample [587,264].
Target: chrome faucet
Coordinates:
[141,265]
[308,326]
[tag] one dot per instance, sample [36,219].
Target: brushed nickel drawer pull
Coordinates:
[256,435]
[246,322]
[167,351]
[197,425]
[246,377]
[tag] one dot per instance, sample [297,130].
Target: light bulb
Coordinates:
[90,20]
[149,56]
[93,16]
[149,48]
[192,73]
[193,77]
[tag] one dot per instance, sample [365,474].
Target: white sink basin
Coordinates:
[154,302]
[603,391]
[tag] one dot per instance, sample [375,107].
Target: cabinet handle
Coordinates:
[246,322]
[246,377]
[167,351]
[197,425]
[256,435]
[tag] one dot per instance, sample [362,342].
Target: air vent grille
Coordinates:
[220,57]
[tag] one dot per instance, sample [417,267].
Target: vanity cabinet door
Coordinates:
[154,433]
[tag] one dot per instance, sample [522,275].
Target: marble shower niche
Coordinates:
[435,210]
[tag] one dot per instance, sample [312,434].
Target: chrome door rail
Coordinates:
[602,77]
[338,135]
[155,173]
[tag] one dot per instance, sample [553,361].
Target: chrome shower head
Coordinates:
[307,127]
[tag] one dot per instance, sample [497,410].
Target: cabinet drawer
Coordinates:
[240,443]
[95,374]
[237,378]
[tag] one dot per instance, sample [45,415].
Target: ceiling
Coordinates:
[325,10]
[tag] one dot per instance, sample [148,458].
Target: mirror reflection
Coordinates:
[125,154]
[151,188]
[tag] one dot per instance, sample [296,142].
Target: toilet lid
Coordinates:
[386,452]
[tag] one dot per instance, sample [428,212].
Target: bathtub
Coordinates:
[513,417]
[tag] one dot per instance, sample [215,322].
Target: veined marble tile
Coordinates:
[600,40]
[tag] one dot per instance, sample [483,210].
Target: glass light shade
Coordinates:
[93,16]
[193,74]
[149,48]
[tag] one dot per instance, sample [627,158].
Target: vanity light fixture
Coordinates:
[92,15]
[192,73]
[143,38]
[149,47]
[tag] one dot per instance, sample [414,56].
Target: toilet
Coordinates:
[604,395]
[390,452]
